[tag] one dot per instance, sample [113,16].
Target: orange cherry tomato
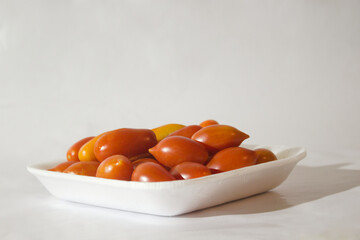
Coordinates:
[125,141]
[176,149]
[264,155]
[143,160]
[83,168]
[115,167]
[232,158]
[208,123]
[189,170]
[218,137]
[62,166]
[86,152]
[73,152]
[151,172]
[186,131]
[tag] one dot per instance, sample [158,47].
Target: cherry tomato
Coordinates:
[176,149]
[189,170]
[115,167]
[62,166]
[218,137]
[143,160]
[151,172]
[83,168]
[208,123]
[186,131]
[140,156]
[86,152]
[264,155]
[164,130]
[232,158]
[73,152]
[125,141]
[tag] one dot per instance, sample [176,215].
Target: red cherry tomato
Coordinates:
[143,160]
[218,137]
[186,131]
[264,155]
[125,141]
[151,172]
[176,149]
[208,123]
[72,153]
[189,170]
[115,167]
[83,168]
[232,158]
[62,166]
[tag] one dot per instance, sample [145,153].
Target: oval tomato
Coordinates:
[264,155]
[208,123]
[115,167]
[62,166]
[176,149]
[187,131]
[125,141]
[83,168]
[151,172]
[73,152]
[218,137]
[232,158]
[189,170]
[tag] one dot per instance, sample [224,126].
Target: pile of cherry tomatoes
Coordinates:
[169,152]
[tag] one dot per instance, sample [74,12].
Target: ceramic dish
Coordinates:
[174,197]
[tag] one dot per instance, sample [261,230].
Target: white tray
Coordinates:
[174,197]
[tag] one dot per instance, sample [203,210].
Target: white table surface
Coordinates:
[319,200]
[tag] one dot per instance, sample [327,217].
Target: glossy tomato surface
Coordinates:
[177,149]
[83,168]
[62,166]
[86,152]
[208,123]
[115,167]
[73,152]
[232,158]
[264,155]
[189,170]
[151,172]
[125,141]
[187,131]
[218,137]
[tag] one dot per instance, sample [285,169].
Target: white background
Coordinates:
[285,72]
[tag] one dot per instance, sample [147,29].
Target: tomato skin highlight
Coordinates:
[232,158]
[129,142]
[83,168]
[208,123]
[86,152]
[189,170]
[187,131]
[62,166]
[151,172]
[219,137]
[73,152]
[264,155]
[115,167]
[177,149]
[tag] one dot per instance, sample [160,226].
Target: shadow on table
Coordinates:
[305,184]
